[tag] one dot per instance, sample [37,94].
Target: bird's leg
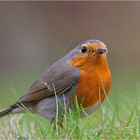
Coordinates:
[51,121]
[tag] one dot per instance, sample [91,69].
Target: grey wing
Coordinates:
[58,78]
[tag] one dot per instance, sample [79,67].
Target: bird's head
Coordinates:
[88,53]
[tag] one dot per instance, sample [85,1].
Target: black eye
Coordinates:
[84,49]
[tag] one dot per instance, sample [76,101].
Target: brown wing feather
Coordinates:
[63,80]
[37,93]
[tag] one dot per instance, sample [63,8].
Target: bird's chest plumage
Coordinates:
[90,89]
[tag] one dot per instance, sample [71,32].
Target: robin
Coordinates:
[84,72]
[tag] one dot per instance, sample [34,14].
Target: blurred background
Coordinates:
[33,35]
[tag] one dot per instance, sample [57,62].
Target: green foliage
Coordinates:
[117,118]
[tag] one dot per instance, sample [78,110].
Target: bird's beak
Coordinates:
[101,50]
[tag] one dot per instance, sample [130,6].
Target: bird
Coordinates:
[83,73]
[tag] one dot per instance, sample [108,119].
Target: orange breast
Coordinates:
[90,86]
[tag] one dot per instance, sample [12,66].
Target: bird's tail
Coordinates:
[6,111]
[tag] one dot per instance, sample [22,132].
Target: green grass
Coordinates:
[117,118]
